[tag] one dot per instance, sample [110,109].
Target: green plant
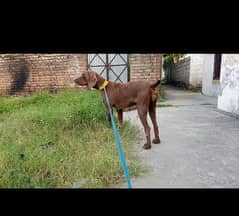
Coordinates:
[168,59]
[162,94]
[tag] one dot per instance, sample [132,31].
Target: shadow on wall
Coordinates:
[20,72]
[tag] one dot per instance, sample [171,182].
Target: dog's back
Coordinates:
[125,95]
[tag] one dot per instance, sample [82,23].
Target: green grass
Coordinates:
[163,105]
[61,141]
[162,98]
[162,94]
[185,87]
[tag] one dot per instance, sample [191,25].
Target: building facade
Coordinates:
[217,74]
[228,97]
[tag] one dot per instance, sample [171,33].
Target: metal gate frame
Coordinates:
[108,66]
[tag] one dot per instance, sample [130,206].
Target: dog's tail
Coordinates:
[154,92]
[154,85]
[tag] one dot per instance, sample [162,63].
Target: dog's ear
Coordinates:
[91,79]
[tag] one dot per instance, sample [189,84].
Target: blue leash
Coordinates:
[119,146]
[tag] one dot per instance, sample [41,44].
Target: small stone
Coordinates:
[22,156]
[79,184]
[224,162]
[198,170]
[211,174]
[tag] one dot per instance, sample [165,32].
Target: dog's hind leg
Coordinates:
[142,111]
[152,114]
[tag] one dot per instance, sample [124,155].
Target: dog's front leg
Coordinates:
[108,114]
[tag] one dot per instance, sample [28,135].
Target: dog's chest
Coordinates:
[123,103]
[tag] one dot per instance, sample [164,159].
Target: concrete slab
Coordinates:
[199,148]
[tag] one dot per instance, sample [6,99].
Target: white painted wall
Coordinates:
[210,87]
[228,99]
[196,69]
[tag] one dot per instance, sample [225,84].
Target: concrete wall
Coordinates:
[210,87]
[196,69]
[181,71]
[188,70]
[228,99]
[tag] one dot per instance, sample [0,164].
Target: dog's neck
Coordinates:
[100,81]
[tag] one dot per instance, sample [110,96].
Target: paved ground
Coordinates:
[199,148]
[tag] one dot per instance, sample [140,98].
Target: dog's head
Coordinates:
[88,79]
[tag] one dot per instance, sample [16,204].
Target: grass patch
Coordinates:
[163,105]
[195,88]
[185,87]
[206,104]
[61,141]
[162,93]
[162,98]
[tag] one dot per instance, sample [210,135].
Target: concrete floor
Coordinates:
[199,145]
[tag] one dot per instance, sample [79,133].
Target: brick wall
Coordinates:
[145,66]
[22,74]
[27,73]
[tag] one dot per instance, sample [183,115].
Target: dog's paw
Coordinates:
[156,140]
[147,146]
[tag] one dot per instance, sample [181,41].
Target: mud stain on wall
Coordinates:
[19,74]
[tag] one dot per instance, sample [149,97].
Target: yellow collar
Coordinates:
[104,85]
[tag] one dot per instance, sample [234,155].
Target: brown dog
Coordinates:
[141,94]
